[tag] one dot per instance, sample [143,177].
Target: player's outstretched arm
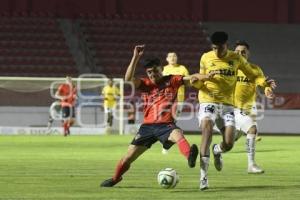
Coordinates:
[130,73]
[197,80]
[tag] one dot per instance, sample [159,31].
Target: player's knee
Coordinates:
[176,135]
[252,130]
[206,125]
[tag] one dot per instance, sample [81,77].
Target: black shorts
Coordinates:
[148,134]
[68,112]
[131,121]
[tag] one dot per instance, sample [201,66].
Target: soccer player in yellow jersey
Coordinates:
[110,93]
[173,68]
[245,105]
[216,99]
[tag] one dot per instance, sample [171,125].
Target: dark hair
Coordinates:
[151,62]
[219,37]
[242,43]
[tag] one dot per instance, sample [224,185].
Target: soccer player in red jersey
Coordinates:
[159,94]
[67,94]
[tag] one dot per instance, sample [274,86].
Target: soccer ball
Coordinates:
[167,178]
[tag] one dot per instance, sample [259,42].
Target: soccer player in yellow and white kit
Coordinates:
[245,104]
[110,93]
[216,99]
[173,68]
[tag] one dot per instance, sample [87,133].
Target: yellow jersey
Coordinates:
[110,93]
[245,89]
[177,70]
[220,89]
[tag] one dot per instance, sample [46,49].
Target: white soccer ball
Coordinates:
[167,178]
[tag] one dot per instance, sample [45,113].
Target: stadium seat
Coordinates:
[31,42]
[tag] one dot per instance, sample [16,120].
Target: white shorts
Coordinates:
[244,121]
[221,115]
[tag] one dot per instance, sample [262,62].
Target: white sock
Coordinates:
[250,148]
[217,149]
[204,163]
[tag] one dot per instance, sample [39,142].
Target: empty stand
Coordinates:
[33,45]
[111,40]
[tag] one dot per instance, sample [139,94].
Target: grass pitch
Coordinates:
[55,167]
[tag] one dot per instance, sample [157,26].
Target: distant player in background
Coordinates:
[67,94]
[245,104]
[110,94]
[173,68]
[159,94]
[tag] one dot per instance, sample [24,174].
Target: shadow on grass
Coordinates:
[239,188]
[261,150]
[138,187]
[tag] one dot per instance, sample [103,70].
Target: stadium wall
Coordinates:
[267,11]
[274,121]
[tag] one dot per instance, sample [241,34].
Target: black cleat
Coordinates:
[218,162]
[109,183]
[193,156]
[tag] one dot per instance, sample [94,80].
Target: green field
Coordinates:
[55,167]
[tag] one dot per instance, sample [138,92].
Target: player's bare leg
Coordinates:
[224,146]
[178,113]
[253,168]
[109,119]
[109,123]
[66,127]
[123,165]
[207,131]
[190,152]
[70,123]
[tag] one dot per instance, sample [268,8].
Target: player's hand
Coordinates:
[138,50]
[271,82]
[211,74]
[193,79]
[269,93]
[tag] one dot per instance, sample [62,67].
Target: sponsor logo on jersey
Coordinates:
[243,79]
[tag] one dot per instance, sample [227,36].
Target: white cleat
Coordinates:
[164,151]
[204,184]
[254,169]
[257,139]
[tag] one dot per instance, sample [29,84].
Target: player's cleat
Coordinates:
[193,156]
[257,139]
[218,162]
[164,151]
[255,169]
[204,184]
[109,182]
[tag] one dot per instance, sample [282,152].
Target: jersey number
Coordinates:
[210,108]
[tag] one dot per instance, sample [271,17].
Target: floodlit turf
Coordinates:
[55,167]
